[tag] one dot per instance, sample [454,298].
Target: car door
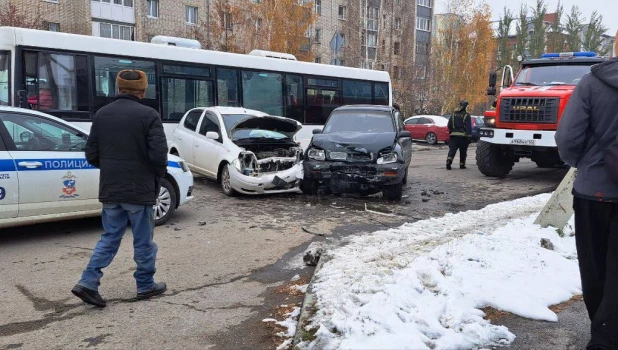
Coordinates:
[206,152]
[9,186]
[185,133]
[53,174]
[425,125]
[406,142]
[412,127]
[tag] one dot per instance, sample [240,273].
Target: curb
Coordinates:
[307,307]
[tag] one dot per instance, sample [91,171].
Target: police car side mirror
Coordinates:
[212,135]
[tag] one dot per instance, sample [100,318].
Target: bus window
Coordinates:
[356,92]
[227,87]
[380,93]
[107,68]
[51,81]
[181,95]
[320,103]
[263,91]
[5,65]
[294,97]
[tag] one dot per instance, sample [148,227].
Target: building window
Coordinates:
[397,49]
[191,14]
[343,12]
[318,7]
[258,24]
[384,22]
[152,8]
[318,60]
[426,3]
[128,3]
[115,31]
[422,48]
[52,26]
[423,23]
[370,14]
[118,2]
[398,23]
[318,35]
[227,20]
[372,39]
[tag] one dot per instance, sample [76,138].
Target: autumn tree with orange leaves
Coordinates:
[462,56]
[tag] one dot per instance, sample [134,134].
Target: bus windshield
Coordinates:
[568,74]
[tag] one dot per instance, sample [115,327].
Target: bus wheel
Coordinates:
[493,160]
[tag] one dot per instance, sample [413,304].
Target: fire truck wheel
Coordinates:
[492,160]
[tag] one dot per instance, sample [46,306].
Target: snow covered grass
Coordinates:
[288,325]
[421,286]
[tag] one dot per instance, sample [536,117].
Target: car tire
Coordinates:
[309,187]
[431,138]
[405,177]
[166,203]
[393,192]
[493,160]
[226,184]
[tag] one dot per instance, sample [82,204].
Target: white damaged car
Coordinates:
[246,151]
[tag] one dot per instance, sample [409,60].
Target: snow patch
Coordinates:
[422,285]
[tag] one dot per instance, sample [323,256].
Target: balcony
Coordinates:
[110,11]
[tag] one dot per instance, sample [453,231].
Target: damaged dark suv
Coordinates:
[362,149]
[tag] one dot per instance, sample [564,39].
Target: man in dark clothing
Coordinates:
[588,127]
[128,144]
[460,127]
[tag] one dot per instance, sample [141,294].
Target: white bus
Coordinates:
[72,76]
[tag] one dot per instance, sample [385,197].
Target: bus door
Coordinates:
[5,78]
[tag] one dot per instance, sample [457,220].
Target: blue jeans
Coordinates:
[116,217]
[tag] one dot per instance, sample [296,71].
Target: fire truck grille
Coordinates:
[529,110]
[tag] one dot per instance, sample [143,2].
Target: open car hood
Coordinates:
[286,126]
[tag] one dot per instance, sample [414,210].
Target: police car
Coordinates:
[44,175]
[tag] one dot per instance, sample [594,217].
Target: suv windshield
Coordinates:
[359,121]
[569,74]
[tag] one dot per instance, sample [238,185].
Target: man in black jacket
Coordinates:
[460,128]
[589,126]
[128,144]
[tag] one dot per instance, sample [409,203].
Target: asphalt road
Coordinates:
[222,276]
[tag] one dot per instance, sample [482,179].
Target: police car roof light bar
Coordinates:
[569,54]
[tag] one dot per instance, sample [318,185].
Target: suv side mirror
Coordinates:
[493,79]
[317,131]
[405,133]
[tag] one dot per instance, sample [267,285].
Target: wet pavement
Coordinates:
[223,277]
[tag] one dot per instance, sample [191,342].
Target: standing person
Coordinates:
[589,127]
[128,144]
[460,127]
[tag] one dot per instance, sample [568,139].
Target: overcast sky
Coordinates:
[607,8]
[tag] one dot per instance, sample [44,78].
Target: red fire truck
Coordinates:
[526,112]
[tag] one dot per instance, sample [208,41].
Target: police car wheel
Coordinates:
[166,203]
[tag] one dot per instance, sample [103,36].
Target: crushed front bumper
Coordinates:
[279,182]
[343,177]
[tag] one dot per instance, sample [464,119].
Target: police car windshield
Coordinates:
[359,121]
[569,74]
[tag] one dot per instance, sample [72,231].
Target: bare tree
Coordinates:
[11,16]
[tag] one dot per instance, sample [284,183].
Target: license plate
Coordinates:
[523,142]
[338,155]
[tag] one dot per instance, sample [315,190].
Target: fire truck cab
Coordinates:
[527,110]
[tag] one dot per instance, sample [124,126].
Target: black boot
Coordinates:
[89,296]
[448,164]
[462,166]
[159,288]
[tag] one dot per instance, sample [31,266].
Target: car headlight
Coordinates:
[183,166]
[490,122]
[316,154]
[387,158]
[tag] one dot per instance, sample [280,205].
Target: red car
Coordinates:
[431,128]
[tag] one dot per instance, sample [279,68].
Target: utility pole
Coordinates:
[208,24]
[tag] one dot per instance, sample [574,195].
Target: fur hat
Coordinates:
[131,80]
